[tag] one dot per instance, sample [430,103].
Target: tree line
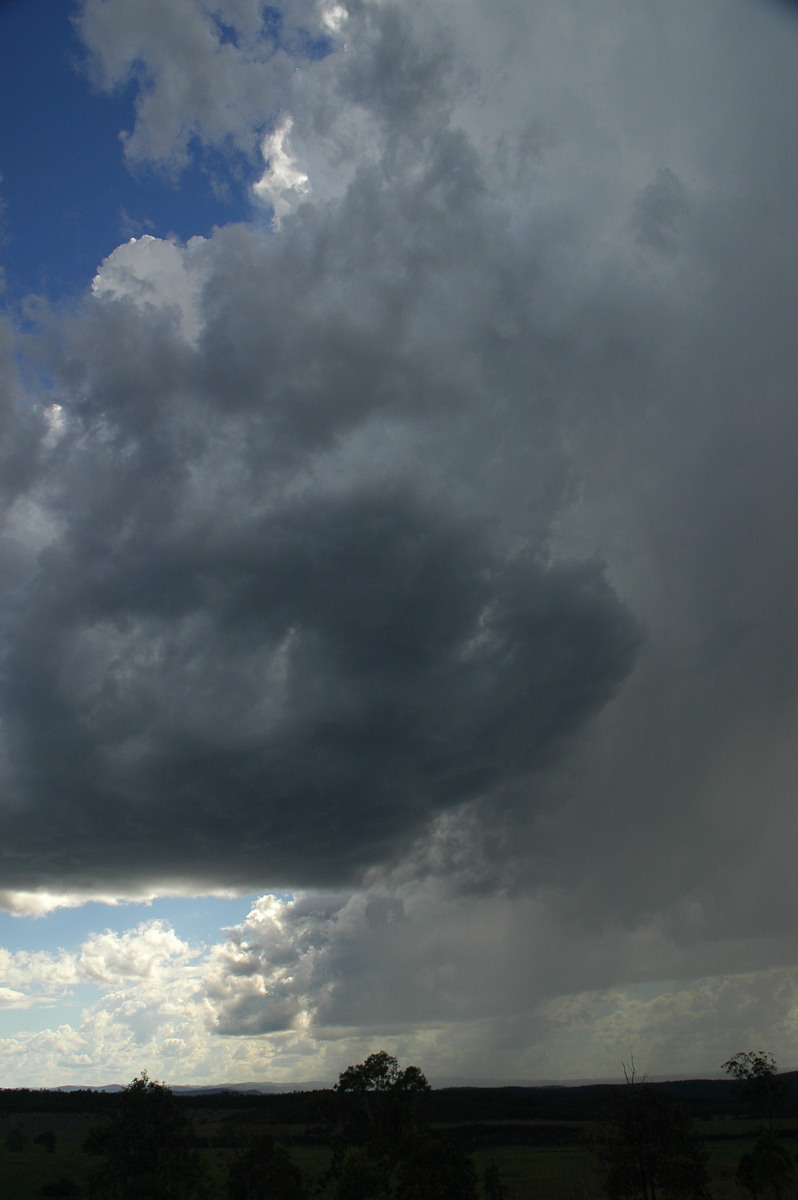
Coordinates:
[384,1146]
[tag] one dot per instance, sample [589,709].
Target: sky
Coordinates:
[398,430]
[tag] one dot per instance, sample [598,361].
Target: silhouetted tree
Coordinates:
[652,1149]
[16,1140]
[435,1167]
[360,1175]
[64,1185]
[264,1170]
[758,1085]
[380,1153]
[768,1171]
[147,1147]
[381,1102]
[47,1139]
[492,1181]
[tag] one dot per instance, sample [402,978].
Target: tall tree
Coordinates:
[264,1170]
[147,1147]
[385,1098]
[768,1170]
[651,1148]
[434,1167]
[381,1153]
[759,1087]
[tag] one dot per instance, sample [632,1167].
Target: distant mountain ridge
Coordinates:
[438,1083]
[203,1089]
[509,1107]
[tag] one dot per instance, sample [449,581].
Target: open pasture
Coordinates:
[531,1167]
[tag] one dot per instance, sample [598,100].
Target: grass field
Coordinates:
[23,1172]
[527,1172]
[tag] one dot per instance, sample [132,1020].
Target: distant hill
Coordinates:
[570,1096]
[205,1089]
[258,1089]
[84,1087]
[309,1102]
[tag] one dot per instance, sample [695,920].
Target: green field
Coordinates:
[544,1172]
[23,1172]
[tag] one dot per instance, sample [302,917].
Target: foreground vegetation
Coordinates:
[382,1134]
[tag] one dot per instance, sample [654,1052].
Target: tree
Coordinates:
[360,1175]
[64,1185]
[492,1181]
[435,1167]
[380,1153]
[651,1148]
[48,1139]
[16,1140]
[758,1085]
[385,1095]
[264,1170]
[768,1171]
[751,1064]
[147,1147]
[381,1073]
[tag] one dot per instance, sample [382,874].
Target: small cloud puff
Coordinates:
[283,183]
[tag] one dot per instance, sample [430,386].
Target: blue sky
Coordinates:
[397,451]
[191,919]
[60,143]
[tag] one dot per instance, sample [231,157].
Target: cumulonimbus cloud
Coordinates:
[319,533]
[268,615]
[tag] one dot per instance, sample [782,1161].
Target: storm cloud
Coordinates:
[426,542]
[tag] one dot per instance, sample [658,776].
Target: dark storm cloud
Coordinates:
[284,697]
[659,211]
[310,556]
[292,595]
[20,431]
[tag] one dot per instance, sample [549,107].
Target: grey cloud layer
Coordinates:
[284,697]
[317,556]
[279,620]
